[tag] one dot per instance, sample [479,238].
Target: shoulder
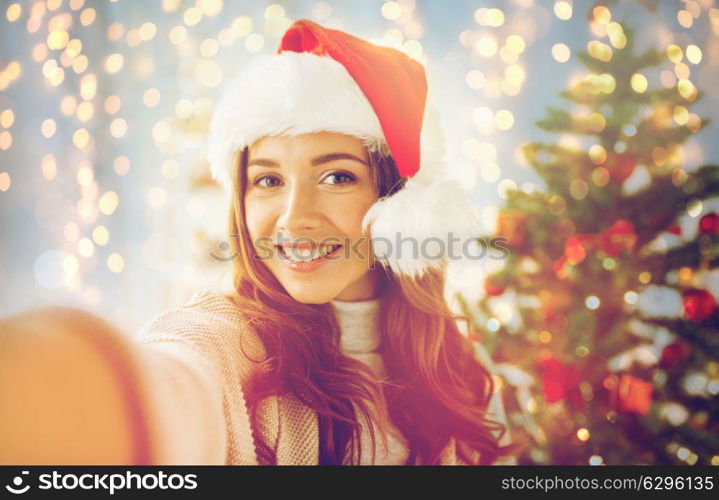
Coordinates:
[204,310]
[208,319]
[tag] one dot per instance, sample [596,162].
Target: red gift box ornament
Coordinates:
[560,381]
[634,395]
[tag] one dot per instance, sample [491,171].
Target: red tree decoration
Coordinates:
[492,288]
[709,224]
[698,304]
[560,381]
[629,394]
[673,354]
[621,166]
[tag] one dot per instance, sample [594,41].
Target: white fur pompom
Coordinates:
[421,225]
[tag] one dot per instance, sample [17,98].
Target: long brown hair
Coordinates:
[435,388]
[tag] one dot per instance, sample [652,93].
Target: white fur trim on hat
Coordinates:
[288,94]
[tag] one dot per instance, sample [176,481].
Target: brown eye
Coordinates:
[341,178]
[259,181]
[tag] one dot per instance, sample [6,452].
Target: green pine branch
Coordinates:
[704,335]
[687,255]
[649,136]
[674,200]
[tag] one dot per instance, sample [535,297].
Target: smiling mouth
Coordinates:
[307,255]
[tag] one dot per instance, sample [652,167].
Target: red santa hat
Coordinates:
[327,80]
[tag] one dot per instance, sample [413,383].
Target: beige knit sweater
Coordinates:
[197,360]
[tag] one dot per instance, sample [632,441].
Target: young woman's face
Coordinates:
[312,190]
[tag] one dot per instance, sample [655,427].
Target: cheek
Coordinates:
[363,253]
[258,219]
[347,216]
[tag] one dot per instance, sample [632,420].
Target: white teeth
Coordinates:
[307,254]
[328,249]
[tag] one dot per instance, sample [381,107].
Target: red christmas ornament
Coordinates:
[560,381]
[619,236]
[673,354]
[709,224]
[492,288]
[621,166]
[698,304]
[674,229]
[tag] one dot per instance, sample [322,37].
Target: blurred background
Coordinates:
[584,130]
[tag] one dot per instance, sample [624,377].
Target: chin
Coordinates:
[311,294]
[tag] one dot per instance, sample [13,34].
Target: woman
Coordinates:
[316,145]
[337,346]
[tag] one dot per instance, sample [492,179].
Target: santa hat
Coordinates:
[327,80]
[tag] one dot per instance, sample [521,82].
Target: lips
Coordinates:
[306,252]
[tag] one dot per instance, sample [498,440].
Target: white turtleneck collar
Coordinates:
[361,339]
[359,325]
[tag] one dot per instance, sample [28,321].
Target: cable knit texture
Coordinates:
[206,352]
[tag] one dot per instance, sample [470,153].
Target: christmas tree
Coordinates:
[610,352]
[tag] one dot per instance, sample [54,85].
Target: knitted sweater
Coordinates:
[197,360]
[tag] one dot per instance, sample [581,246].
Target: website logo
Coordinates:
[18,488]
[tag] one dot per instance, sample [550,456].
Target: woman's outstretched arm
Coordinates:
[74,390]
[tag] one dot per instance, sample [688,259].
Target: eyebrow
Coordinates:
[317,160]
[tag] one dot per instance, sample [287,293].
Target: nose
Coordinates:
[300,211]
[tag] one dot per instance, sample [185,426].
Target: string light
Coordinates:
[114,63]
[5,181]
[87,17]
[592,302]
[115,263]
[192,16]
[561,52]
[121,165]
[13,12]
[563,10]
